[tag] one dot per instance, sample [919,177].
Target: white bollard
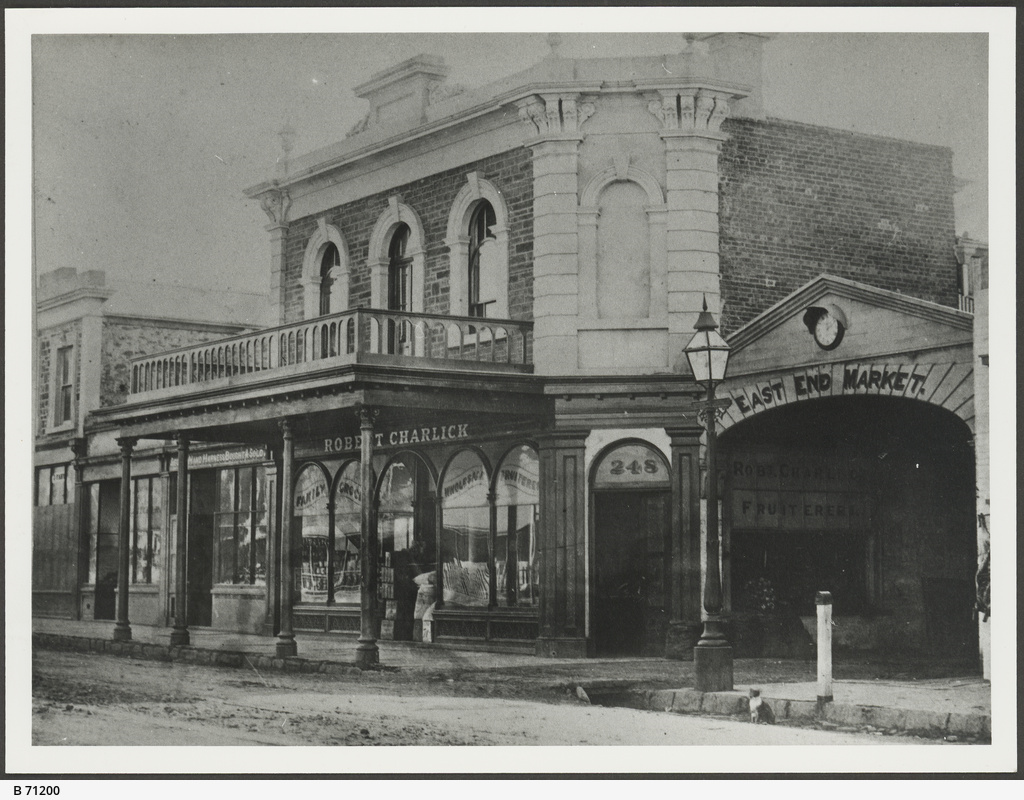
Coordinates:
[823,600]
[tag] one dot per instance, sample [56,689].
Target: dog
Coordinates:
[760,711]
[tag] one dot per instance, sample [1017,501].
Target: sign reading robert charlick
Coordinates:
[895,380]
[434,434]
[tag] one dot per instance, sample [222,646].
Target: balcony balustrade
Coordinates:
[359,335]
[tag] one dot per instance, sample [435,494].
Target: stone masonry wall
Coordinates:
[49,341]
[124,340]
[799,200]
[431,198]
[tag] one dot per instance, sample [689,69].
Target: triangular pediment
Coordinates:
[877,324]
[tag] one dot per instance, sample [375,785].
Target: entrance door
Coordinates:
[629,609]
[199,550]
[108,518]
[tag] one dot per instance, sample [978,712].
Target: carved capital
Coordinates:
[690,110]
[79,446]
[367,416]
[276,203]
[556,113]
[286,428]
[127,445]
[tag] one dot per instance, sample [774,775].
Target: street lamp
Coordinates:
[708,354]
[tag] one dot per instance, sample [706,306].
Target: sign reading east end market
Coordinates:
[434,434]
[891,380]
[233,455]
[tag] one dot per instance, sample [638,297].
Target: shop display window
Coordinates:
[466,529]
[515,556]
[312,522]
[147,530]
[348,520]
[241,523]
[94,527]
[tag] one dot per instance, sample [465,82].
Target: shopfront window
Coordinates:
[147,530]
[515,557]
[312,520]
[241,523]
[348,520]
[465,534]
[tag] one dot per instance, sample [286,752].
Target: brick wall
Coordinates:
[799,200]
[431,198]
[49,341]
[124,340]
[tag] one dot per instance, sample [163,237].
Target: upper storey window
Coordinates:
[478,246]
[330,267]
[399,269]
[64,386]
[483,269]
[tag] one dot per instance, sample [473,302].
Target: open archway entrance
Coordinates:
[871,498]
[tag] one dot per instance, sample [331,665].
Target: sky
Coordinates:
[143,144]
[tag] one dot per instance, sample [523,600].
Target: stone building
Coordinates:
[86,334]
[473,423]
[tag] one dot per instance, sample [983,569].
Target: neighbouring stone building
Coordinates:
[86,335]
[473,423]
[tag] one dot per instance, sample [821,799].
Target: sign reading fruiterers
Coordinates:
[944,384]
[799,491]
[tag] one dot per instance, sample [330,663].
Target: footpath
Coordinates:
[919,697]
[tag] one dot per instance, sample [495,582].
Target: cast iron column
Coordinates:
[286,638]
[367,652]
[179,634]
[122,630]
[712,656]
[78,446]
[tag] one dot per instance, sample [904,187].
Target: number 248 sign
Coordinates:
[631,464]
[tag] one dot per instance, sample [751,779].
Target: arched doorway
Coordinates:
[407,540]
[870,498]
[631,519]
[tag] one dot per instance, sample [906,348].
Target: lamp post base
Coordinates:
[179,637]
[122,632]
[712,668]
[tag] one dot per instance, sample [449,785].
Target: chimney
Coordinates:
[738,58]
[402,92]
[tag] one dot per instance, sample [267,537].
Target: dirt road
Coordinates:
[83,699]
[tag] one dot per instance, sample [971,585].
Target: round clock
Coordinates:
[828,331]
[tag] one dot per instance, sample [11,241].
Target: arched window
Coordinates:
[399,269]
[312,519]
[482,278]
[466,532]
[515,551]
[330,266]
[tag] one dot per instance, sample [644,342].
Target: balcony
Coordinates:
[359,336]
